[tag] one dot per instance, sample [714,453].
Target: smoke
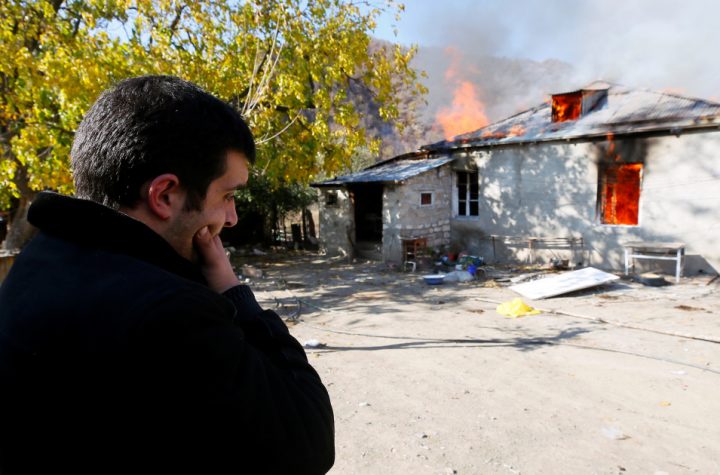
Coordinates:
[517,53]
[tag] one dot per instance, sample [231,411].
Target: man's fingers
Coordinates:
[214,263]
[203,237]
[203,233]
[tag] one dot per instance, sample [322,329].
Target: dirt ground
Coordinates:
[432,380]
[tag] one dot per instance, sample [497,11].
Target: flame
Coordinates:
[516,130]
[621,193]
[566,106]
[494,135]
[611,154]
[467,112]
[621,188]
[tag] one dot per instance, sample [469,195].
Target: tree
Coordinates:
[263,205]
[286,65]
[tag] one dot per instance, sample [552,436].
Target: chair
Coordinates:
[410,248]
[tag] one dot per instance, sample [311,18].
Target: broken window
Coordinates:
[426,199]
[566,106]
[331,198]
[468,193]
[620,193]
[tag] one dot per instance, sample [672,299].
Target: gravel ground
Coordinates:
[432,380]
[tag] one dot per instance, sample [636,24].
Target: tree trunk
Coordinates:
[20,231]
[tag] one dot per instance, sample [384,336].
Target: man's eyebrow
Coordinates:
[237,187]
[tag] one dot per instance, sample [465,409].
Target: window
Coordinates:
[573,105]
[426,199]
[566,107]
[331,198]
[467,193]
[620,193]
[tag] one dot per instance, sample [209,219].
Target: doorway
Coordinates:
[367,200]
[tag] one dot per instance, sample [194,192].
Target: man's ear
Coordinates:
[165,196]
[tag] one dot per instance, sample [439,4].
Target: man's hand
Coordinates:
[214,263]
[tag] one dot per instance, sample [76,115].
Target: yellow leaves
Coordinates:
[286,64]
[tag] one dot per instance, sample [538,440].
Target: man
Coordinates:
[127,343]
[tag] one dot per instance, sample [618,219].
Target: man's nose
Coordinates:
[231,218]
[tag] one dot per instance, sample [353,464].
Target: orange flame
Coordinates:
[621,193]
[494,135]
[566,107]
[516,130]
[611,153]
[621,187]
[467,112]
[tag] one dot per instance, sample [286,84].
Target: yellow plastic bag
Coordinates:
[516,308]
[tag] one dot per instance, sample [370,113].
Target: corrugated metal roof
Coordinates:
[392,171]
[626,111]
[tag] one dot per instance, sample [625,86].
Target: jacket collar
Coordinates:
[94,225]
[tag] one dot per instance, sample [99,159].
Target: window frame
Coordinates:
[432,199]
[464,204]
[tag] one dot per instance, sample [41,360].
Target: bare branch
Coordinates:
[268,139]
[176,20]
[267,72]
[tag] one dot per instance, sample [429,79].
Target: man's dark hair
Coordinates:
[150,125]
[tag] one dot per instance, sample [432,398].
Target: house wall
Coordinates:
[551,191]
[405,218]
[336,223]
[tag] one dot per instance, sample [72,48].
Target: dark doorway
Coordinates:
[368,212]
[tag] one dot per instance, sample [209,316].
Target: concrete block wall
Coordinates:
[405,218]
[336,223]
[551,191]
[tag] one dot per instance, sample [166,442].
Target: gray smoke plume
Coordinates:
[517,53]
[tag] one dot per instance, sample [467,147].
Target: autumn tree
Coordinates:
[286,65]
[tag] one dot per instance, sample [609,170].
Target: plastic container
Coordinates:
[434,279]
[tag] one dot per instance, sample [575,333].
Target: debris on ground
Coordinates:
[559,264]
[516,308]
[614,433]
[458,276]
[651,280]
[689,308]
[314,344]
[527,277]
[563,283]
[251,272]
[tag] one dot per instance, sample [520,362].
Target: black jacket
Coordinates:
[115,357]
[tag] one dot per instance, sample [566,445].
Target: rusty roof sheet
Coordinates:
[626,111]
[391,171]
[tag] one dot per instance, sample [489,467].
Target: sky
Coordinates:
[656,44]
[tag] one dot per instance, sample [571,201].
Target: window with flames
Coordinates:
[619,200]
[566,107]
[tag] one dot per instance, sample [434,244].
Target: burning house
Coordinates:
[575,178]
